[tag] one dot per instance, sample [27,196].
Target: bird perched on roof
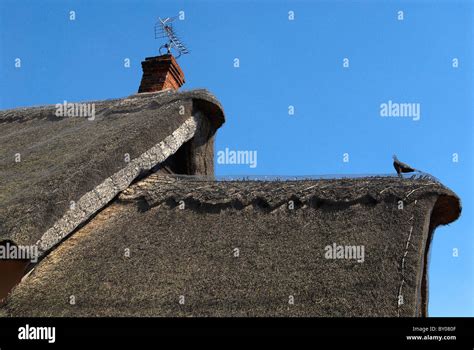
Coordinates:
[401,167]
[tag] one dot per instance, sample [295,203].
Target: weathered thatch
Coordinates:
[171,246]
[278,229]
[58,171]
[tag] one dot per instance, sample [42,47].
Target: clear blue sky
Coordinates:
[283,63]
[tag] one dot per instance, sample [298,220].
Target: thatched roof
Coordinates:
[280,231]
[70,167]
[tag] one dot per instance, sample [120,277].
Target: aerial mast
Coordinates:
[164,30]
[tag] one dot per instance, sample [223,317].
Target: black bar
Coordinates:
[74,331]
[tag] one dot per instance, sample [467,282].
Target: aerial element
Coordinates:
[164,30]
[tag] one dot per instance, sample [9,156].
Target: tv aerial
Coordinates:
[164,30]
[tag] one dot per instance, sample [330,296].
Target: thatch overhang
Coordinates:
[171,246]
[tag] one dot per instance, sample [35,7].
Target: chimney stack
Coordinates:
[160,73]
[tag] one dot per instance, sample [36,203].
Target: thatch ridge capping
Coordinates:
[337,194]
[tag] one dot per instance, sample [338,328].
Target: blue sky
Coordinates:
[283,63]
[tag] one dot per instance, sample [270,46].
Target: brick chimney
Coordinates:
[160,73]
